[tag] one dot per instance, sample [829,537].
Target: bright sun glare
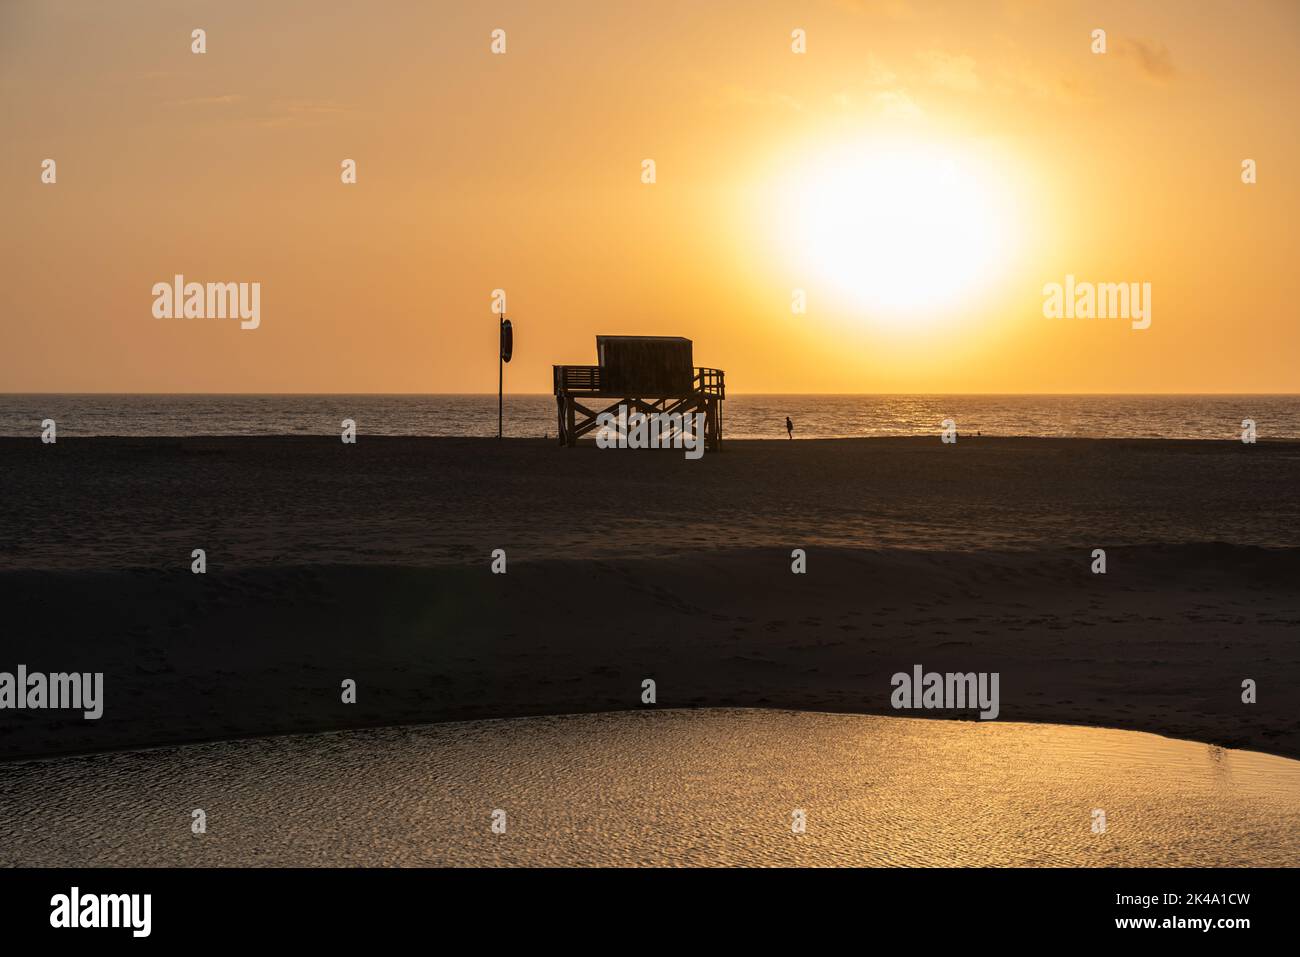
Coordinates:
[903,232]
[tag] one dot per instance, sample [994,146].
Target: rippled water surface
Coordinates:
[667,788]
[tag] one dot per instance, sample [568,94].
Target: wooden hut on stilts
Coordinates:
[649,374]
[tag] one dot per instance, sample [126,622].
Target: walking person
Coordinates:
[789,428]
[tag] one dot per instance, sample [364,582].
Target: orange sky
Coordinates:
[522,172]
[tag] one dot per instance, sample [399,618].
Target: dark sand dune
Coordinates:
[1161,644]
[328,562]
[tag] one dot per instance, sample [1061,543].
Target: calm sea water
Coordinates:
[744,416]
[666,788]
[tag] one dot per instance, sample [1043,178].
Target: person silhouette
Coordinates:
[789,427]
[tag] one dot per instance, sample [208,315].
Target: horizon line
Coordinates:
[736,394]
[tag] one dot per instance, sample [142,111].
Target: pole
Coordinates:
[501,365]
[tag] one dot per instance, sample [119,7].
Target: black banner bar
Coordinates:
[336,906]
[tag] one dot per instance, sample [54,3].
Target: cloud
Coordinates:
[877,74]
[1053,86]
[224,99]
[279,112]
[899,89]
[1153,60]
[302,113]
[954,72]
[895,104]
[878,90]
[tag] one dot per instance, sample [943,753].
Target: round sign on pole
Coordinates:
[507,340]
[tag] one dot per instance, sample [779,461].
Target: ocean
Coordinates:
[744,416]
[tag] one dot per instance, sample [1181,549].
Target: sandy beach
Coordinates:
[372,562]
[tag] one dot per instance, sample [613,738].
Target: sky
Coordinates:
[878,213]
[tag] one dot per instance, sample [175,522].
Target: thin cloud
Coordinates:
[1152,60]
[953,72]
[224,99]
[895,104]
[302,113]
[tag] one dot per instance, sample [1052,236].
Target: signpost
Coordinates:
[507,350]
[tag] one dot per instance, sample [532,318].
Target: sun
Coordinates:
[904,232]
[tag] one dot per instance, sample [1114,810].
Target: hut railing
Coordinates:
[710,382]
[576,379]
[570,379]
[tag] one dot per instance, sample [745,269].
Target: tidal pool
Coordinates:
[671,787]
